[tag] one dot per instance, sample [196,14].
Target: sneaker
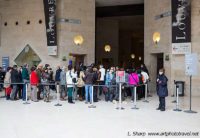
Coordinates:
[158,108]
[162,110]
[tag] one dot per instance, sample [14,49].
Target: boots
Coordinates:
[70,100]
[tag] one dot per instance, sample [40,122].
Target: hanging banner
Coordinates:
[181,26]
[50,20]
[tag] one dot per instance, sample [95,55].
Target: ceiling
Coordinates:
[100,3]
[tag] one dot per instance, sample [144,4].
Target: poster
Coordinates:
[191,64]
[120,76]
[181,26]
[5,63]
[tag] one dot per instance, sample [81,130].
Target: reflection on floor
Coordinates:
[44,120]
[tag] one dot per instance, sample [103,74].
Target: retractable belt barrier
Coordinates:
[92,103]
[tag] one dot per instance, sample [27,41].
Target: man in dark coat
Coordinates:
[57,76]
[15,80]
[162,90]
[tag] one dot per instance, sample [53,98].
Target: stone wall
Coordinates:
[15,38]
[175,67]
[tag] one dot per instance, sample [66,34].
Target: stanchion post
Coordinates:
[120,98]
[58,95]
[92,104]
[175,92]
[146,93]
[177,100]
[190,110]
[135,102]
[26,102]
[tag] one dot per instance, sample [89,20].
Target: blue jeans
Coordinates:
[24,90]
[88,90]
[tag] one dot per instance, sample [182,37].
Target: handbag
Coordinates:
[73,79]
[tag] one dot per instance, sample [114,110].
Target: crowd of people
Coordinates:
[75,83]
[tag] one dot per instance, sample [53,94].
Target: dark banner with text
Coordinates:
[50,20]
[181,26]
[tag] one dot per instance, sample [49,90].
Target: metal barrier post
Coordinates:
[146,94]
[92,105]
[26,102]
[135,88]
[174,93]
[58,95]
[120,98]
[177,102]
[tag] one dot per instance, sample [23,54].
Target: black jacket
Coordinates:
[15,78]
[162,90]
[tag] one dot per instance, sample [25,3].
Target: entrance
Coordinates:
[160,63]
[77,59]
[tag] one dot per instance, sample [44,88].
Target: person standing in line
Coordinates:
[80,84]
[70,75]
[162,90]
[45,80]
[39,74]
[102,78]
[63,90]
[20,86]
[25,78]
[133,80]
[14,81]
[57,76]
[7,81]
[88,84]
[2,75]
[34,81]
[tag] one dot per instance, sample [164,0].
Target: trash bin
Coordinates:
[180,85]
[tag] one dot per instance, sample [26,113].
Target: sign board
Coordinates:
[191,64]
[181,48]
[120,76]
[181,26]
[5,63]
[52,50]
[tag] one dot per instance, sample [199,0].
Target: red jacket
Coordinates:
[34,80]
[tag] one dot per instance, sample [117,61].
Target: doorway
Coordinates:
[78,59]
[160,63]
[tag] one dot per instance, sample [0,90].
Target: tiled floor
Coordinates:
[44,120]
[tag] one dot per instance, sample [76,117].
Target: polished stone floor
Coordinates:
[44,120]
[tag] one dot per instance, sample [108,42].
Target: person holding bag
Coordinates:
[69,79]
[133,80]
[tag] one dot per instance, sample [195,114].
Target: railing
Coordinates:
[94,85]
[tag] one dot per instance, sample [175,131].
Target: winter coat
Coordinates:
[62,78]
[80,82]
[89,78]
[15,76]
[57,76]
[45,77]
[7,79]
[162,90]
[25,74]
[109,78]
[133,79]
[34,79]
